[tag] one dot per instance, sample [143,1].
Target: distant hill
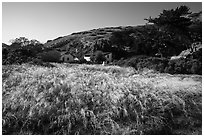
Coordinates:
[101,39]
[87,38]
[84,42]
[126,40]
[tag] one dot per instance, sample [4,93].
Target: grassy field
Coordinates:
[95,99]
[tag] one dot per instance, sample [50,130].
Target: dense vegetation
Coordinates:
[96,99]
[20,51]
[190,65]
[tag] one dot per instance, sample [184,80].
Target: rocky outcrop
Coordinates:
[194,48]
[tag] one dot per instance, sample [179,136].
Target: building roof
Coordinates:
[106,53]
[63,52]
[89,54]
[67,53]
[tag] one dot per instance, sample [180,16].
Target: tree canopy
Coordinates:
[174,18]
[22,41]
[176,25]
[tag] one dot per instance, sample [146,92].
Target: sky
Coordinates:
[48,20]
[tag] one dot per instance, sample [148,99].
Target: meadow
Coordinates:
[98,100]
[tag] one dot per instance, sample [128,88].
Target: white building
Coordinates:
[108,56]
[87,57]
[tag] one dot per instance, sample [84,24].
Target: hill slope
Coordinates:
[147,39]
[88,41]
[119,40]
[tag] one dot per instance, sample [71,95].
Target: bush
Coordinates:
[184,66]
[142,61]
[50,56]
[17,56]
[190,65]
[196,67]
[98,57]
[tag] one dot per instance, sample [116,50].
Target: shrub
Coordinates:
[17,56]
[98,57]
[190,65]
[142,61]
[196,67]
[184,66]
[50,56]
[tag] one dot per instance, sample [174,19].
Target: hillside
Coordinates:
[91,35]
[89,41]
[129,41]
[121,41]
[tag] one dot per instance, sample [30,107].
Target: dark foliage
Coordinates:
[174,17]
[17,56]
[98,57]
[50,56]
[186,26]
[21,51]
[185,66]
[190,65]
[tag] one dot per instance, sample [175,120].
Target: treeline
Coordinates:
[20,51]
[23,50]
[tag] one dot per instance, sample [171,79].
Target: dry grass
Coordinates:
[95,99]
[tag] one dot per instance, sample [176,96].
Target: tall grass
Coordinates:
[94,99]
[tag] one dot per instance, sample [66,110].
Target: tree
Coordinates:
[98,57]
[174,21]
[196,26]
[32,46]
[21,50]
[50,56]
[34,42]
[102,44]
[22,41]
